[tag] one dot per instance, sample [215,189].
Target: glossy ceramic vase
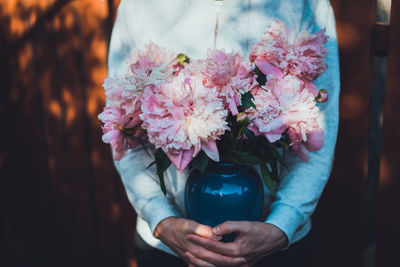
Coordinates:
[224,192]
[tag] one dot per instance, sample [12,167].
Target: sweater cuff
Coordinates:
[287,218]
[157,210]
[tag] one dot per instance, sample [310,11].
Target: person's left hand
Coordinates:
[254,240]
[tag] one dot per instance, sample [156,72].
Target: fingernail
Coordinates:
[217,230]
[217,237]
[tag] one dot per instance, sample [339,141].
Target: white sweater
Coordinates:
[187,26]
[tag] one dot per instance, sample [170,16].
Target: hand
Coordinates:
[172,231]
[254,241]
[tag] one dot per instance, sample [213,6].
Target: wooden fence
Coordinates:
[62,202]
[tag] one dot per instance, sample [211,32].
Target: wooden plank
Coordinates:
[374,155]
[93,43]
[13,212]
[29,201]
[128,216]
[389,217]
[56,215]
[338,218]
[57,233]
[80,201]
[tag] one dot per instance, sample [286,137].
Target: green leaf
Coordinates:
[266,177]
[279,157]
[261,77]
[162,182]
[273,153]
[274,170]
[244,121]
[246,157]
[283,144]
[162,160]
[250,135]
[151,164]
[200,162]
[163,163]
[232,159]
[247,100]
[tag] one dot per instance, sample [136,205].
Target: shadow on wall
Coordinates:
[64,199]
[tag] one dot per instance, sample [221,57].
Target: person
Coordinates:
[188,26]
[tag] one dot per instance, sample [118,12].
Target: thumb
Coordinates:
[228,227]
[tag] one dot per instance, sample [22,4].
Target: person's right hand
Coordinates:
[173,232]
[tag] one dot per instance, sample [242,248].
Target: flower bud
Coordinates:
[182,59]
[322,96]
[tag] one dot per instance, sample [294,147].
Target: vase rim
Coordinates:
[225,166]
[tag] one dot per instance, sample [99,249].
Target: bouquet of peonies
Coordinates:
[222,108]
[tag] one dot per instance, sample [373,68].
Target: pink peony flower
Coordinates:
[154,54]
[300,54]
[287,89]
[228,73]
[262,119]
[121,129]
[303,143]
[183,117]
[120,92]
[286,105]
[151,66]
[301,114]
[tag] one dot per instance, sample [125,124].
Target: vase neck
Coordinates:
[218,167]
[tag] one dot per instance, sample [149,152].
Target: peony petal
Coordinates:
[302,152]
[175,158]
[233,107]
[315,140]
[278,125]
[111,137]
[131,120]
[211,149]
[312,88]
[177,113]
[268,69]
[271,137]
[291,133]
[254,130]
[181,159]
[187,157]
[118,155]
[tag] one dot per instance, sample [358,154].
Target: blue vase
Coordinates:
[224,192]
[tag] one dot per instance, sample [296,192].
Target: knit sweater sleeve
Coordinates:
[302,183]
[141,183]
[143,188]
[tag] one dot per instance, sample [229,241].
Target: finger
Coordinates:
[228,249]
[229,227]
[200,229]
[215,258]
[196,261]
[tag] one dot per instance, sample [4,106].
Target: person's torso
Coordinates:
[188,26]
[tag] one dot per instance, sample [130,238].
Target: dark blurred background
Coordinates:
[62,202]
